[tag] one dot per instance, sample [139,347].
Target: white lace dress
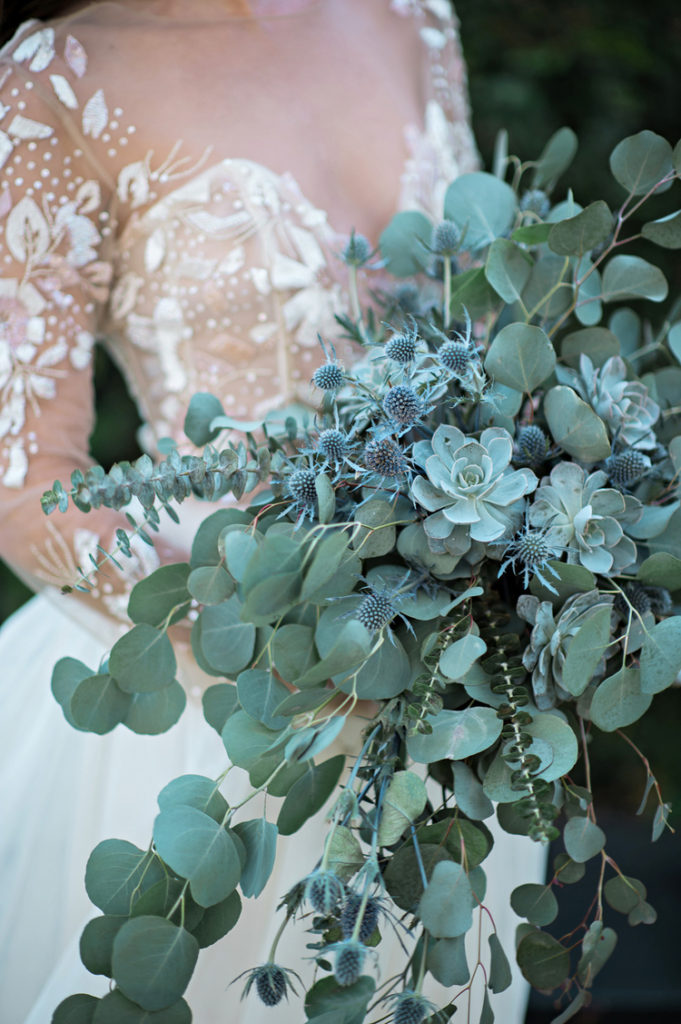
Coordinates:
[203,272]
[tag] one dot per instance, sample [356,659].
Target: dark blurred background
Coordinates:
[607,69]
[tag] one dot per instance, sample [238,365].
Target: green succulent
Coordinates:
[469,489]
[550,640]
[624,405]
[584,518]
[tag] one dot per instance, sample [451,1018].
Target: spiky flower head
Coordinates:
[531,446]
[328,377]
[411,1008]
[406,296]
[350,913]
[324,891]
[271,983]
[375,611]
[349,962]
[301,487]
[401,348]
[455,356]
[446,238]
[634,596]
[532,550]
[627,468]
[333,444]
[402,405]
[357,251]
[385,457]
[535,200]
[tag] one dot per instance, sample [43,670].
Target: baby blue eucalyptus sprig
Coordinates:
[474,542]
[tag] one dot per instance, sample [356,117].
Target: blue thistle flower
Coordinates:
[385,457]
[406,296]
[300,486]
[402,348]
[455,356]
[324,891]
[531,446]
[536,201]
[532,550]
[446,239]
[351,909]
[333,444]
[271,983]
[375,611]
[328,377]
[627,468]
[349,962]
[411,1008]
[358,251]
[403,405]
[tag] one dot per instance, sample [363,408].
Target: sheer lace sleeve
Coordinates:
[55,223]
[443,147]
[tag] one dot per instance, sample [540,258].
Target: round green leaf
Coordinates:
[237,543]
[293,650]
[500,976]
[446,907]
[227,642]
[630,277]
[567,870]
[344,855]
[403,801]
[549,289]
[210,584]
[660,570]
[576,236]
[247,741]
[143,660]
[78,1009]
[260,839]
[570,579]
[153,961]
[66,675]
[456,735]
[219,702]
[405,243]
[556,157]
[385,674]
[597,948]
[115,870]
[446,961]
[542,960]
[598,343]
[217,920]
[260,692]
[640,161]
[194,791]
[555,739]
[521,357]
[575,426]
[403,874]
[198,848]
[585,650]
[583,840]
[470,796]
[309,794]
[482,206]
[114,1008]
[660,661]
[375,534]
[96,943]
[507,269]
[205,544]
[328,555]
[98,705]
[203,408]
[623,893]
[619,700]
[331,1002]
[152,713]
[162,595]
[665,232]
[535,902]
[457,659]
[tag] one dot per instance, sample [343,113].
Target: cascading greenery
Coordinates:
[479,530]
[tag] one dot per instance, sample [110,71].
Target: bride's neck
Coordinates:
[228,8]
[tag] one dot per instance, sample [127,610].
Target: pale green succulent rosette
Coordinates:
[550,641]
[584,518]
[469,489]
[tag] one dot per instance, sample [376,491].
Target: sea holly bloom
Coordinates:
[469,484]
[580,515]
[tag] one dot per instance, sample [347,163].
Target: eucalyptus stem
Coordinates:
[447,293]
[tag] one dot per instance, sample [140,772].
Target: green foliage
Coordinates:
[490,555]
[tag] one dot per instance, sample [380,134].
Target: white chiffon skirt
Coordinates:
[63,791]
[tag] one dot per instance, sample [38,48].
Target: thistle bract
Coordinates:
[468,483]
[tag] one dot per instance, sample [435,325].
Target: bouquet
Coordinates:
[478,531]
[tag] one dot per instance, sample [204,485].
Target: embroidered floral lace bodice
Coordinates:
[201,271]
